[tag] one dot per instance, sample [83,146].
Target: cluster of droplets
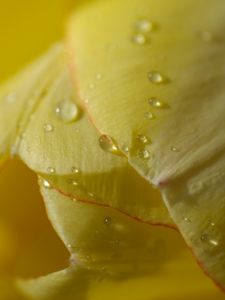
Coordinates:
[142,29]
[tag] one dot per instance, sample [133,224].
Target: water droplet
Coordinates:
[108,144]
[214,242]
[67,111]
[144,154]
[206,36]
[126,149]
[75,170]
[50,170]
[139,39]
[156,77]
[212,224]
[143,139]
[204,237]
[46,184]
[187,220]
[149,116]
[107,220]
[144,25]
[174,149]
[156,103]
[48,127]
[90,194]
[72,182]
[99,76]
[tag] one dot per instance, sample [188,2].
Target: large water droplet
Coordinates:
[156,103]
[156,77]
[108,144]
[48,127]
[67,111]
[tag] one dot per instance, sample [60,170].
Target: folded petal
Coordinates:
[162,80]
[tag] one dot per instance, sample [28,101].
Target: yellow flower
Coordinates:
[138,68]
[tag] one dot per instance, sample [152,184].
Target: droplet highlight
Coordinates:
[107,220]
[143,139]
[149,115]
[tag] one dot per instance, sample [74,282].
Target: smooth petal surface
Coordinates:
[19,97]
[62,146]
[162,68]
[116,259]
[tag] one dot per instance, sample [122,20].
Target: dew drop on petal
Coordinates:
[174,149]
[143,139]
[107,220]
[214,242]
[50,170]
[140,39]
[46,184]
[48,127]
[108,144]
[67,111]
[144,154]
[75,170]
[156,77]
[156,103]
[149,115]
[144,25]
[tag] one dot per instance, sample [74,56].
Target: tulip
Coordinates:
[119,125]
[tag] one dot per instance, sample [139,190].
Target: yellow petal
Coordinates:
[62,146]
[162,67]
[120,259]
[19,97]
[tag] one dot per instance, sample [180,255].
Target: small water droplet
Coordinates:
[156,103]
[143,139]
[144,25]
[50,170]
[212,224]
[187,220]
[75,170]
[67,111]
[126,149]
[90,194]
[108,144]
[69,247]
[156,77]
[140,39]
[174,149]
[107,220]
[204,237]
[144,154]
[149,115]
[46,184]
[48,127]
[206,36]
